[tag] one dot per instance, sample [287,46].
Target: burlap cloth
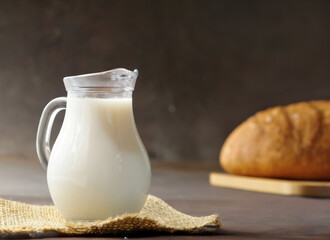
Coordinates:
[156,216]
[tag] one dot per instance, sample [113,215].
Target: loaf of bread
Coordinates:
[291,142]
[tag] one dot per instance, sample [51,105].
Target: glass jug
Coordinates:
[98,166]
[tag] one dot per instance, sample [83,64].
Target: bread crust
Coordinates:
[291,142]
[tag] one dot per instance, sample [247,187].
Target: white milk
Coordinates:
[98,166]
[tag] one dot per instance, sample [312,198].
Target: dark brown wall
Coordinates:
[205,66]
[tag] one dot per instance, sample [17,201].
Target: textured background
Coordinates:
[205,66]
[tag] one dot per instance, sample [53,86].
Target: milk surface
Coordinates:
[98,166]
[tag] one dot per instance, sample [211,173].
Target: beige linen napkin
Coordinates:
[156,216]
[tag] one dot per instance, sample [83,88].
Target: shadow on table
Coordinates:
[210,233]
[144,234]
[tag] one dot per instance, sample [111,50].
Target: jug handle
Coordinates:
[45,128]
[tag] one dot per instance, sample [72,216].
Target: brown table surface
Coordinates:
[244,215]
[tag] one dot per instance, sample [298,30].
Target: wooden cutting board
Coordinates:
[268,185]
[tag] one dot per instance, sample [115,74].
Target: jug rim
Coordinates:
[115,78]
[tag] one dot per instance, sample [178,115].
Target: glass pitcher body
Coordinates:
[98,167]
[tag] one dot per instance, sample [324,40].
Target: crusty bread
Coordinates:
[282,142]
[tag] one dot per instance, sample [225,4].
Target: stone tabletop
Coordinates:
[244,214]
